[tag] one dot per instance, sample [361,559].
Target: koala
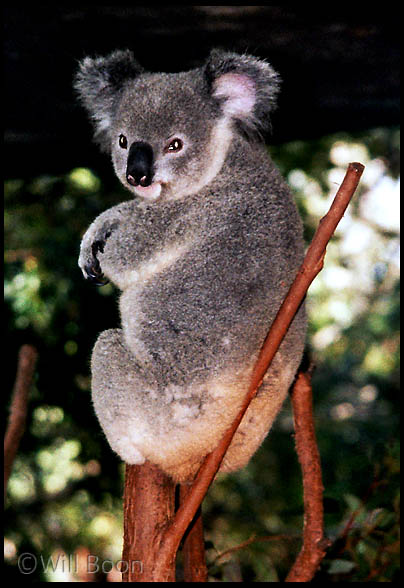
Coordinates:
[203,252]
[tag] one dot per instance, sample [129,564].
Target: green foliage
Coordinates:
[64,495]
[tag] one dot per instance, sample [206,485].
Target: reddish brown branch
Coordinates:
[165,556]
[18,411]
[314,543]
[193,549]
[149,501]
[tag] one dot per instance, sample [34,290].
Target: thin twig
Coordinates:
[342,537]
[311,266]
[252,539]
[18,411]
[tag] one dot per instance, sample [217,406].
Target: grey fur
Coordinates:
[204,256]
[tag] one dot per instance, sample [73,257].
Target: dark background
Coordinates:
[340,67]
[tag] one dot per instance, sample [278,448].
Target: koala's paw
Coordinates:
[89,261]
[92,269]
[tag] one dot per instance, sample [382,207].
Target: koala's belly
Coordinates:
[183,330]
[191,312]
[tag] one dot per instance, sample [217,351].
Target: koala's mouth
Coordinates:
[151,192]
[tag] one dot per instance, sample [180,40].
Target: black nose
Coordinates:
[139,169]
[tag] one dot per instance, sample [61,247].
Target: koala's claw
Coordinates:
[92,271]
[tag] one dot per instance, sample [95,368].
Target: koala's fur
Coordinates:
[203,254]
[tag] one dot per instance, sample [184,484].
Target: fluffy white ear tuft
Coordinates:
[98,82]
[244,87]
[238,92]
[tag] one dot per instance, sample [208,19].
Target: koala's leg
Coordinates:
[116,387]
[144,420]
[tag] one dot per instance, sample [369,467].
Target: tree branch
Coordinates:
[193,549]
[149,501]
[314,543]
[18,411]
[313,263]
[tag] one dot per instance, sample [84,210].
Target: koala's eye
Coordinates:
[123,142]
[174,145]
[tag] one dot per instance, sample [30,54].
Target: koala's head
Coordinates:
[168,134]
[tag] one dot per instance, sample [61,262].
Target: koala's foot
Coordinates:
[116,392]
[143,420]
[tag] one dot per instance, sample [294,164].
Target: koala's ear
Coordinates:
[98,82]
[245,87]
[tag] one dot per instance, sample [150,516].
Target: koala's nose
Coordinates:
[139,169]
